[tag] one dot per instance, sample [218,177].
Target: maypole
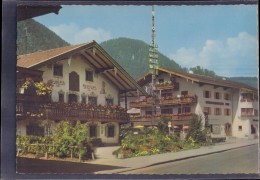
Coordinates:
[153,64]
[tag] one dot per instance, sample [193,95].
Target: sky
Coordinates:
[222,38]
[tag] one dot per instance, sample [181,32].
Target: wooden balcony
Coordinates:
[167,86]
[86,115]
[158,117]
[248,115]
[26,98]
[164,101]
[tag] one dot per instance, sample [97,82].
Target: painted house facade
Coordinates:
[230,108]
[87,86]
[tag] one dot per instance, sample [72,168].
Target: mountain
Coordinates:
[33,36]
[132,55]
[251,81]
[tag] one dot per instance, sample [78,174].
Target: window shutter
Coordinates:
[98,131]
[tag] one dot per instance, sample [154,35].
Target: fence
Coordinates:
[39,148]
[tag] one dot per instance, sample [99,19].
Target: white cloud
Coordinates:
[73,34]
[237,56]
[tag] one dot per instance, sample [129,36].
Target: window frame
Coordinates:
[89,75]
[58,72]
[207,94]
[218,112]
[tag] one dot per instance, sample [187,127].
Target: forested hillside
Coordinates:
[33,36]
[251,81]
[132,55]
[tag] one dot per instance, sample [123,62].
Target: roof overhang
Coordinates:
[27,11]
[201,80]
[99,60]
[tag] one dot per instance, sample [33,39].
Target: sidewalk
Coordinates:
[105,156]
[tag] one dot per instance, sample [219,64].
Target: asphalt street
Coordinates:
[35,166]
[241,160]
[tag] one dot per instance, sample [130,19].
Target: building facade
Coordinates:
[230,108]
[87,85]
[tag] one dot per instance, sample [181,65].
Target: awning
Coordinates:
[186,127]
[139,126]
[134,111]
[176,127]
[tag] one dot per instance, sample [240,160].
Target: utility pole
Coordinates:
[153,65]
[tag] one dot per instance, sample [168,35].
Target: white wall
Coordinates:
[78,65]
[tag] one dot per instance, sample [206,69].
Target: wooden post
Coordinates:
[71,153]
[125,101]
[93,157]
[53,149]
[37,149]
[79,155]
[46,155]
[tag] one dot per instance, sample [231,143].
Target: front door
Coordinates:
[228,129]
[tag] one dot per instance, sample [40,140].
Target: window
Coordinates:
[217,95]
[83,100]
[109,101]
[34,130]
[208,110]
[110,131]
[217,111]
[57,70]
[166,111]
[227,96]
[255,112]
[150,112]
[253,130]
[73,81]
[184,110]
[247,111]
[247,97]
[227,112]
[161,80]
[239,128]
[92,100]
[184,93]
[61,97]
[89,75]
[207,94]
[92,131]
[72,98]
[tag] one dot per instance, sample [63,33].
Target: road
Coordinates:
[241,160]
[30,165]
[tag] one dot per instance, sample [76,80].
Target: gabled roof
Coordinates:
[94,55]
[200,79]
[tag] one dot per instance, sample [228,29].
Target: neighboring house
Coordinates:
[231,107]
[87,86]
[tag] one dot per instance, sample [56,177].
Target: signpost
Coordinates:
[169,126]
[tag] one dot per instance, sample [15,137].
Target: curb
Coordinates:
[184,158]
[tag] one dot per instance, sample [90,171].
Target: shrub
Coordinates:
[195,132]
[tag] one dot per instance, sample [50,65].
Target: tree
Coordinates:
[69,137]
[195,131]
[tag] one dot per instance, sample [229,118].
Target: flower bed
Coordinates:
[151,141]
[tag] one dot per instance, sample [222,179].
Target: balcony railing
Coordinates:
[166,86]
[87,115]
[158,117]
[246,100]
[22,98]
[75,111]
[248,114]
[169,100]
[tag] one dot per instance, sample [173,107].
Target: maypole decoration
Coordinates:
[153,63]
